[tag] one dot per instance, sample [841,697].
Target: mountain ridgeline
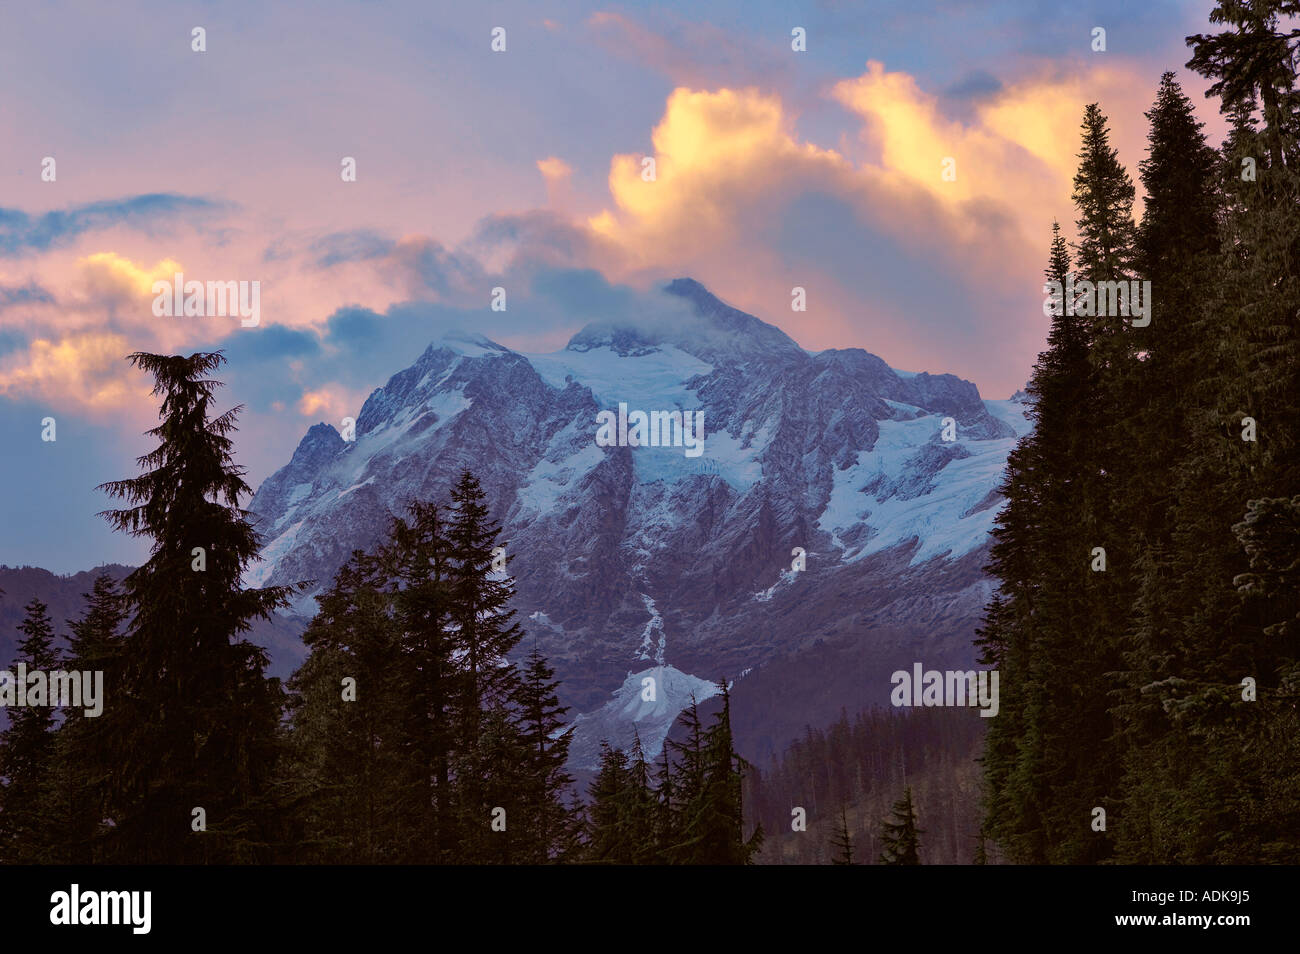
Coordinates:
[645,562]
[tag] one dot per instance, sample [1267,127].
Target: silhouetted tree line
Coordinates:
[407,736]
[1147,626]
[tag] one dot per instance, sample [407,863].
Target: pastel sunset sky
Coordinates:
[519,169]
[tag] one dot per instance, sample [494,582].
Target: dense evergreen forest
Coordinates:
[848,777]
[1146,627]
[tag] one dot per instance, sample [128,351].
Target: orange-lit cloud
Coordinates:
[330,403]
[953,162]
[112,289]
[107,274]
[1021,149]
[713,151]
[84,371]
[887,247]
[740,202]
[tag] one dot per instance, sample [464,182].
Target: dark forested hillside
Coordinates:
[65,597]
[854,770]
[62,594]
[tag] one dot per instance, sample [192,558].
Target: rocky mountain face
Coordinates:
[832,528]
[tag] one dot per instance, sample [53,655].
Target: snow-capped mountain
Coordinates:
[650,561]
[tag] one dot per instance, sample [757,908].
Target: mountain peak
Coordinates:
[471,344]
[750,331]
[709,329]
[322,442]
[685,287]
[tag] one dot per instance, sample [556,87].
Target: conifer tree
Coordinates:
[1179,177]
[94,647]
[709,821]
[418,562]
[1083,648]
[1177,239]
[1038,556]
[1178,244]
[500,834]
[900,837]
[27,749]
[726,842]
[546,819]
[666,807]
[193,723]
[1103,196]
[484,635]
[486,632]
[350,783]
[689,769]
[842,842]
[640,807]
[1252,61]
[609,840]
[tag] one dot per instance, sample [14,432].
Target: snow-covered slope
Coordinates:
[626,555]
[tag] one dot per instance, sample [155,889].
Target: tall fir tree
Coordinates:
[547,821]
[1038,560]
[1098,578]
[1180,215]
[484,634]
[418,562]
[640,806]
[1178,243]
[193,725]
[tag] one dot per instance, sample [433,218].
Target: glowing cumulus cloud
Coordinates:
[82,370]
[108,272]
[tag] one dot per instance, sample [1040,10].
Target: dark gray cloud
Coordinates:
[354,327]
[272,343]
